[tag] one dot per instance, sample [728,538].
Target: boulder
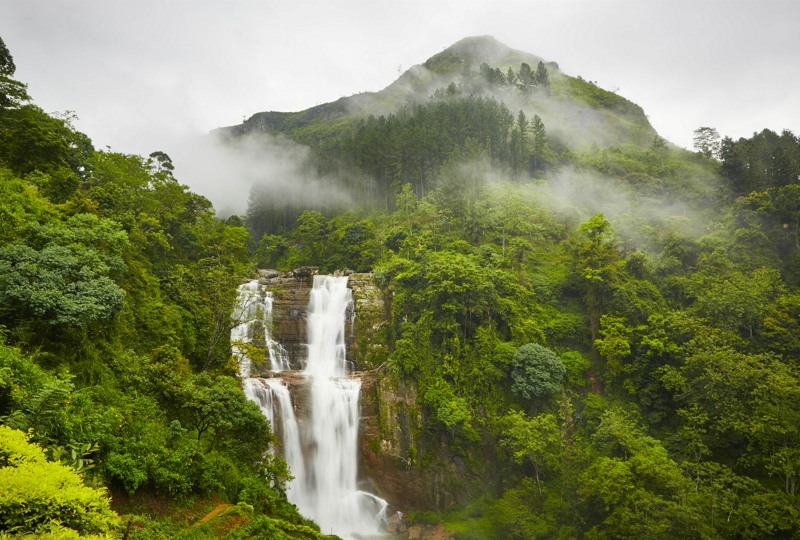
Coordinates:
[305,271]
[268,274]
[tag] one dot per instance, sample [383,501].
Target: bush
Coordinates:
[39,495]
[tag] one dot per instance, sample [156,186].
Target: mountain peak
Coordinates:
[476,50]
[478,45]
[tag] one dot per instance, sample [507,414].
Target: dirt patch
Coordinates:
[214,513]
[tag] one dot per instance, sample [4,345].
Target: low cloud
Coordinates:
[230,170]
[637,216]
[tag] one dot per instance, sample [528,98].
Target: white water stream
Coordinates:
[254,307]
[323,456]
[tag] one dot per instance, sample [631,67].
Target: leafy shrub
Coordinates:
[38,495]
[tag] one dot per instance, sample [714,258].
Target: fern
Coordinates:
[43,411]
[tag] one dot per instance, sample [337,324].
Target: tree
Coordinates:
[32,140]
[541,150]
[615,344]
[458,293]
[536,372]
[311,237]
[12,92]
[511,77]
[598,265]
[520,156]
[541,79]
[535,440]
[634,490]
[7,66]
[740,302]
[707,142]
[218,409]
[271,249]
[161,162]
[61,276]
[525,78]
[450,410]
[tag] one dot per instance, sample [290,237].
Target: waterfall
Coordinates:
[323,456]
[253,308]
[278,357]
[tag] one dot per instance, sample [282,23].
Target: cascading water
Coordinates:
[325,475]
[245,315]
[254,307]
[278,357]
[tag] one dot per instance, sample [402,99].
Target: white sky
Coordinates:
[144,75]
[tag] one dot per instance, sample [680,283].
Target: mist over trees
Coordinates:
[601,331]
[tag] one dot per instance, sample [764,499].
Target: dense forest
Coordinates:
[603,330]
[116,289]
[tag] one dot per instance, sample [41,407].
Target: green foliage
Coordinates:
[218,410]
[516,516]
[764,161]
[671,410]
[536,372]
[706,142]
[12,92]
[61,275]
[32,140]
[266,527]
[636,490]
[535,440]
[38,494]
[450,410]
[271,248]
[592,94]
[575,366]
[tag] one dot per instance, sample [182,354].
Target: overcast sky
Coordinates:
[145,75]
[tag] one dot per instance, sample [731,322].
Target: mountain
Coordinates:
[576,112]
[566,328]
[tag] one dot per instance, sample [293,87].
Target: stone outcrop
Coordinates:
[290,300]
[390,422]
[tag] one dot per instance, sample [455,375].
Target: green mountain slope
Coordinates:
[576,111]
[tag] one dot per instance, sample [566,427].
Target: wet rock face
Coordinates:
[391,446]
[291,291]
[389,421]
[290,301]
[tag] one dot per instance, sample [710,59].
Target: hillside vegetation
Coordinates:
[603,331]
[116,288]
[601,328]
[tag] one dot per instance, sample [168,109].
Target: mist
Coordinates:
[230,171]
[638,217]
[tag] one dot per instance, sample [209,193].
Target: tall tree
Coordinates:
[598,265]
[12,92]
[541,78]
[707,142]
[541,150]
[7,66]
[525,78]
